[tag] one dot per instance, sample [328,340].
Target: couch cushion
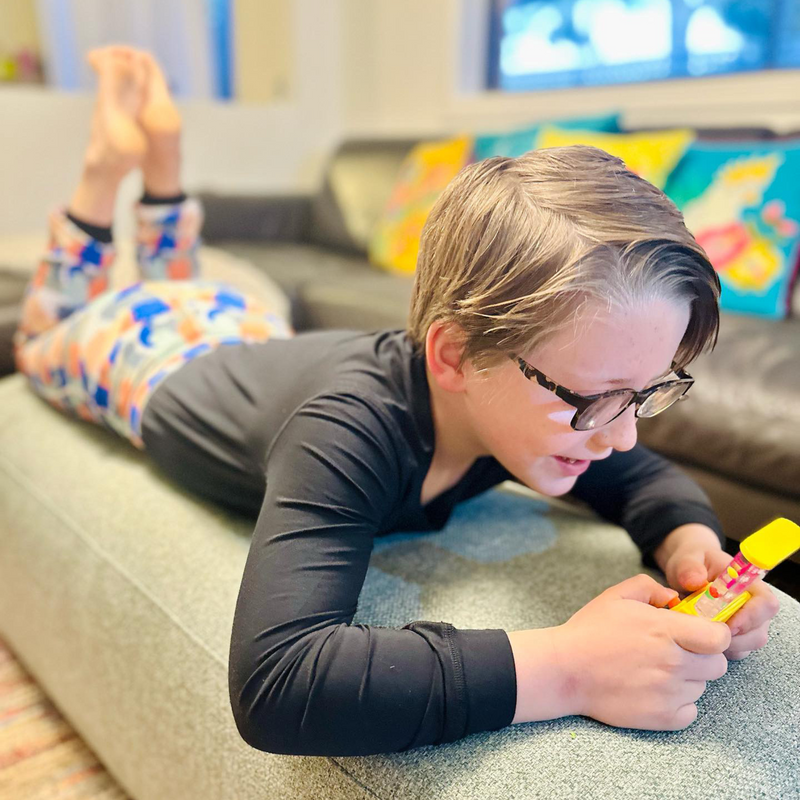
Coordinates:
[291,266]
[742,416]
[12,287]
[330,289]
[118,589]
[257,217]
[357,183]
[356,299]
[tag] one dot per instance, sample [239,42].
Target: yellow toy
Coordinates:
[759,553]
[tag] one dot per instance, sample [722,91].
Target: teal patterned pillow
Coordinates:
[741,200]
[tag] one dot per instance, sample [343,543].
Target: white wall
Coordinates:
[360,68]
[226,146]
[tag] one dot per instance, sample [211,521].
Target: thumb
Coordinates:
[691,572]
[644,589]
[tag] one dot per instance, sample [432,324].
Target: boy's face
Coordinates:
[523,425]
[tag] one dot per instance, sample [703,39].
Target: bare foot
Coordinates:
[161,123]
[117,143]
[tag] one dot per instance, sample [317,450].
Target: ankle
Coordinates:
[161,171]
[162,188]
[95,197]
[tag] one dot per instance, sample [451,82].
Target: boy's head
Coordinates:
[564,258]
[517,249]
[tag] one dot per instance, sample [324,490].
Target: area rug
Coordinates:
[41,756]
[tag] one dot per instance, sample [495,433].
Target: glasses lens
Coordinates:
[662,399]
[602,411]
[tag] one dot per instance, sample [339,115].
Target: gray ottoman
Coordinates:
[117,592]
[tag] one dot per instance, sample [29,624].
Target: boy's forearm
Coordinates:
[545,690]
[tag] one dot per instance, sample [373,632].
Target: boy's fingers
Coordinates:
[747,642]
[760,608]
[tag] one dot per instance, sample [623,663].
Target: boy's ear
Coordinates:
[443,348]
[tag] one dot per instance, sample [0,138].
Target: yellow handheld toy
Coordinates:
[759,553]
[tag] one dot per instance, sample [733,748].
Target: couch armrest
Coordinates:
[276,218]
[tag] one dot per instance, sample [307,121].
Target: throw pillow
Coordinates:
[652,155]
[423,175]
[515,143]
[741,200]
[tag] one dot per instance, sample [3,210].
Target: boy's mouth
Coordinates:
[572,466]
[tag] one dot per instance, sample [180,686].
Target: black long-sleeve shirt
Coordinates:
[327,437]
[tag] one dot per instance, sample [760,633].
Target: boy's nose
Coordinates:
[620,433]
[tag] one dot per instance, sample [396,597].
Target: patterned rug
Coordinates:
[41,756]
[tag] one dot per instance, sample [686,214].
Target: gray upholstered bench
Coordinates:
[117,592]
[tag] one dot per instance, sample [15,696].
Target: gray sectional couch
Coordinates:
[118,588]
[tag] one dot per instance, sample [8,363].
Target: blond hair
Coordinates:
[515,248]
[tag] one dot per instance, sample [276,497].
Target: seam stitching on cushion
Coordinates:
[354,779]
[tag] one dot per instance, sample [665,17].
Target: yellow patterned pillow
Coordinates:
[425,172]
[652,155]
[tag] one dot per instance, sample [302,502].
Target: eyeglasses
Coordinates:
[597,410]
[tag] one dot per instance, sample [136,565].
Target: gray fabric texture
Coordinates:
[117,592]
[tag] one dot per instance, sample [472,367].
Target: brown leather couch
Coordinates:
[738,435]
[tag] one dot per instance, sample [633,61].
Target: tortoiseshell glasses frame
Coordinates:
[584,402]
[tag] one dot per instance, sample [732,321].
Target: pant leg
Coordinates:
[73,271]
[167,239]
[105,361]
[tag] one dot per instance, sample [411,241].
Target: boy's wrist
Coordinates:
[546,688]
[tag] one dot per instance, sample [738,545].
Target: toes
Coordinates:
[141,73]
[96,56]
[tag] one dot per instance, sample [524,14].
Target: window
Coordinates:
[549,44]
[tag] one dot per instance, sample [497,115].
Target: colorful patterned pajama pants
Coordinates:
[99,354]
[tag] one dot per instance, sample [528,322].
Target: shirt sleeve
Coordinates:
[303,679]
[647,495]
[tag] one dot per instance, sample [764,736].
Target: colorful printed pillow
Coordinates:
[423,175]
[514,143]
[741,200]
[652,155]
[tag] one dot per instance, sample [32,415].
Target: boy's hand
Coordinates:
[693,562]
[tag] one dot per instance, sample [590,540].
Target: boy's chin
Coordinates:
[556,487]
[547,483]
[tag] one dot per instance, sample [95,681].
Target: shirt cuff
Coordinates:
[490,676]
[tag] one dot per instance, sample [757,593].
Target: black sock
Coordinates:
[154,200]
[95,231]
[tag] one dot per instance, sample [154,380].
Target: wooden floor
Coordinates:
[41,756]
